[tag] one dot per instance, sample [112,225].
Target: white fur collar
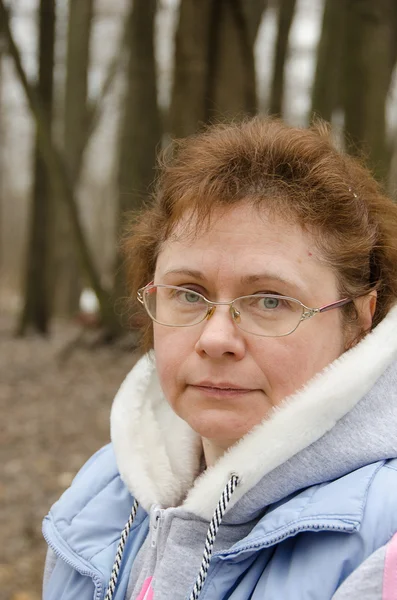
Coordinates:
[158,455]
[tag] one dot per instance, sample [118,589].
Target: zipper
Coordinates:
[157,517]
[95,576]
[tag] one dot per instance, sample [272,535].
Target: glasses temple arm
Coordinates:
[336,304]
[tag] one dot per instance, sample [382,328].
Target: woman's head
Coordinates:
[260,197]
[296,174]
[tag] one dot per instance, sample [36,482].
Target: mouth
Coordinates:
[221,389]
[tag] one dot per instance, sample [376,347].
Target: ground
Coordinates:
[54,414]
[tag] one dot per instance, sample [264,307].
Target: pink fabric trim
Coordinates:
[390,571]
[147,590]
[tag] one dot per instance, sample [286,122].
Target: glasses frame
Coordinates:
[307,311]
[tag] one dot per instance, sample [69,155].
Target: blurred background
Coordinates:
[90,91]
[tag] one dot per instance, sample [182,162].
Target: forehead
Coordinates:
[241,228]
[239,245]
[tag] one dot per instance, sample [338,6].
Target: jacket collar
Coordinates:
[158,454]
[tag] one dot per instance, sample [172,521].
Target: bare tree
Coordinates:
[190,67]
[214,62]
[1,145]
[286,9]
[368,55]
[394,35]
[59,178]
[330,54]
[36,308]
[67,286]
[140,128]
[231,81]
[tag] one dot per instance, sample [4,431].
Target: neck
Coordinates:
[213,451]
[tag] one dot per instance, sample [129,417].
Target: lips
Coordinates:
[222,386]
[221,389]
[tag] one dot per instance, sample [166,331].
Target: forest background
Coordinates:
[90,91]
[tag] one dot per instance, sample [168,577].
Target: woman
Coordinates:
[257,439]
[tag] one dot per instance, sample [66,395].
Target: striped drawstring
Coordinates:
[208,546]
[119,554]
[211,535]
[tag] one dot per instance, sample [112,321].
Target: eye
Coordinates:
[186,296]
[270,303]
[191,297]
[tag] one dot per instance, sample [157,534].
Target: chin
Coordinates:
[222,434]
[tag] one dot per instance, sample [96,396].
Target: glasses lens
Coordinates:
[175,306]
[268,315]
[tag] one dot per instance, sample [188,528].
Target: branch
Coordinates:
[95,110]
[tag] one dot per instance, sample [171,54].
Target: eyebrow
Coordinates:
[245,279]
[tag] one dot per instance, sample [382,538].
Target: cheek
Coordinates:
[292,361]
[171,350]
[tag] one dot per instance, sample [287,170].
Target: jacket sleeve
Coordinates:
[53,565]
[375,578]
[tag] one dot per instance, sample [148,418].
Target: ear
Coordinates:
[366,306]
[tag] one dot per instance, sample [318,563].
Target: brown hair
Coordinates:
[295,173]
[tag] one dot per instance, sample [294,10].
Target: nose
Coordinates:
[220,336]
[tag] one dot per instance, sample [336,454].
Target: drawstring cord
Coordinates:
[211,535]
[119,554]
[208,546]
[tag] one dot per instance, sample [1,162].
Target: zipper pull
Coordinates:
[157,518]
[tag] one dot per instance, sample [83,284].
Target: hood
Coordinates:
[343,418]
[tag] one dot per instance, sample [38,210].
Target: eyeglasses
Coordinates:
[267,315]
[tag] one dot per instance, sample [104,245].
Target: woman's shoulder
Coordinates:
[101,459]
[327,532]
[369,494]
[375,577]
[82,523]
[361,503]
[96,492]
[95,475]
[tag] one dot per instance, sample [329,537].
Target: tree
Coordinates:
[214,62]
[330,54]
[140,128]
[368,55]
[286,9]
[2,49]
[67,286]
[58,175]
[230,91]
[187,109]
[36,309]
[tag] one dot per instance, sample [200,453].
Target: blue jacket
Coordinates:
[302,548]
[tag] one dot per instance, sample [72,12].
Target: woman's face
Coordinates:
[221,380]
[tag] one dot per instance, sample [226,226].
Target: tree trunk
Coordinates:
[394,36]
[140,129]
[214,73]
[231,92]
[253,12]
[367,79]
[327,80]
[2,145]
[59,178]
[187,110]
[68,285]
[36,309]
[286,10]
